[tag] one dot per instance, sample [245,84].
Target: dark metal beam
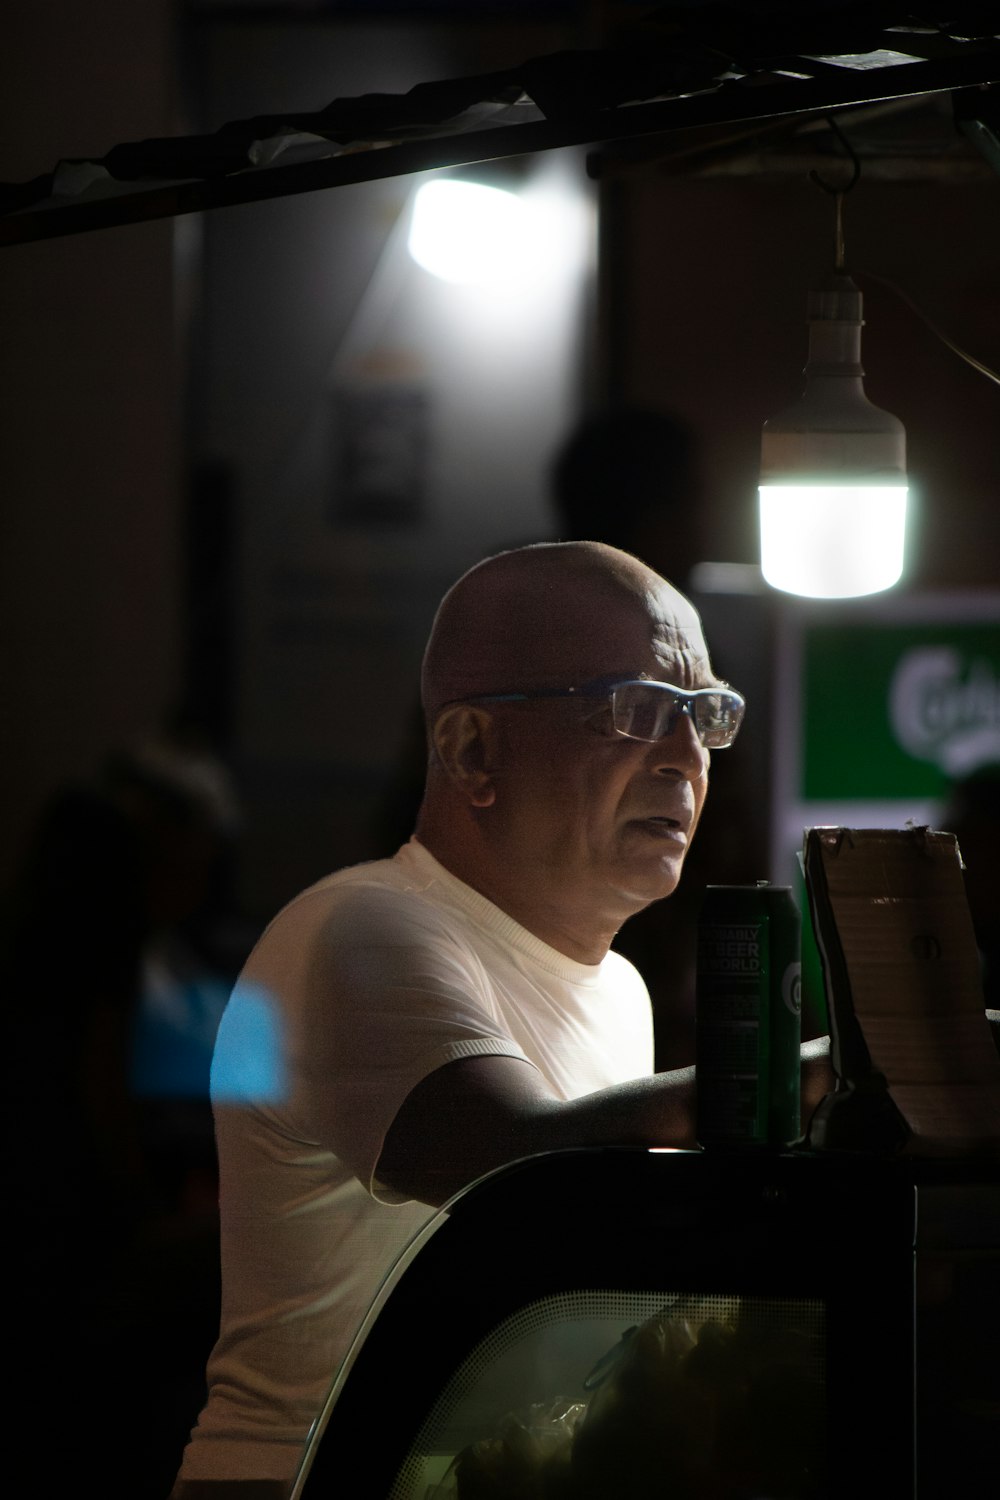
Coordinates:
[735,100]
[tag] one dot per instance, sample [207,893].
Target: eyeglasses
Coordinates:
[649,711]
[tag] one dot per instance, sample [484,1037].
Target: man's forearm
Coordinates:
[655,1111]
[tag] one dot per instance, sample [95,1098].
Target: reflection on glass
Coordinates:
[588,1395]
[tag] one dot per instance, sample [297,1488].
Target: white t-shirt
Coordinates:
[358,989]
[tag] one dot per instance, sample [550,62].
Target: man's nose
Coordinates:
[680,753]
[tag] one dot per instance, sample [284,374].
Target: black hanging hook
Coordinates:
[855,163]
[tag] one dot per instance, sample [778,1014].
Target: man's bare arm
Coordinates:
[469,1117]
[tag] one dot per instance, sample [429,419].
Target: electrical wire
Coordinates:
[838,194]
[970,359]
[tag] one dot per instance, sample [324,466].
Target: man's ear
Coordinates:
[465,743]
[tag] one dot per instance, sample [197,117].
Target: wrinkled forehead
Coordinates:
[677,639]
[651,632]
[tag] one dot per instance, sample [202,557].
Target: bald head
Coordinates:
[546,615]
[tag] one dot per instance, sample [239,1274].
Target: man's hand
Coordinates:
[818,1076]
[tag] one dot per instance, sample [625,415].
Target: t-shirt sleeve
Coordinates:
[391,995]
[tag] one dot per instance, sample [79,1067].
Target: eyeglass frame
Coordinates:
[605,687]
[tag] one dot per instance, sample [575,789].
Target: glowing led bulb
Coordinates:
[833,469]
[832,541]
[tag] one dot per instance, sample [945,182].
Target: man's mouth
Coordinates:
[660,826]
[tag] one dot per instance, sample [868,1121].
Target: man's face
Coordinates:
[596,819]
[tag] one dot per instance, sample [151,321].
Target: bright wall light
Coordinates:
[468,233]
[833,469]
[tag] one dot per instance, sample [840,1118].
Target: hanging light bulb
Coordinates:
[833,466]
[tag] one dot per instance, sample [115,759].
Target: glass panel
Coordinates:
[587,1395]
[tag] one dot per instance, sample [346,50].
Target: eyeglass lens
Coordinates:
[650,712]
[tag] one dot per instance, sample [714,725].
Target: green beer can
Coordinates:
[748,1016]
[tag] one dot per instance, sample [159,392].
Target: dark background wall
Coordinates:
[91,394]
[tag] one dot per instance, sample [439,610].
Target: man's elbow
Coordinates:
[462,1122]
[438,1182]
[431,1188]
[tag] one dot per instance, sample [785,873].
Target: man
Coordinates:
[424,1020]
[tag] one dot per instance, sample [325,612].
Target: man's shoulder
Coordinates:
[616,963]
[384,897]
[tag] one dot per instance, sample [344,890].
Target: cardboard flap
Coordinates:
[911,1044]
